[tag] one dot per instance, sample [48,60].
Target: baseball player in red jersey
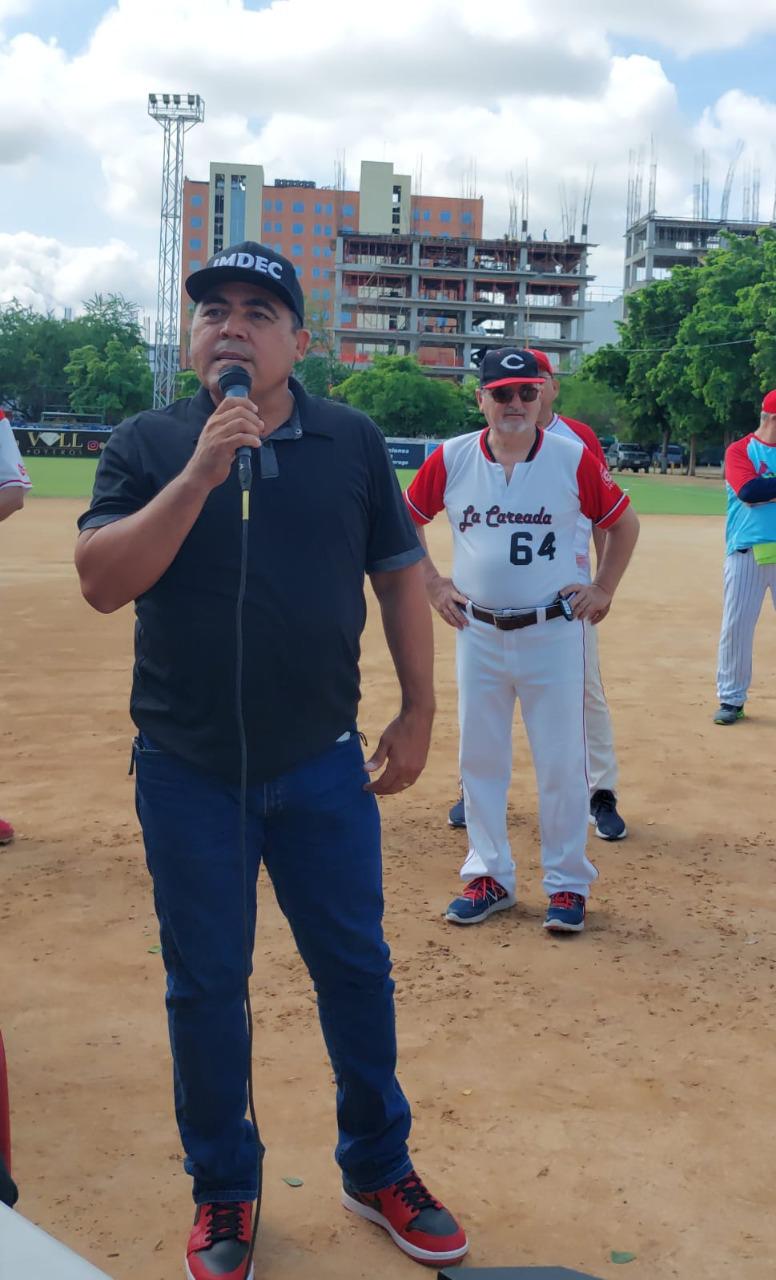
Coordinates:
[601,759]
[513,495]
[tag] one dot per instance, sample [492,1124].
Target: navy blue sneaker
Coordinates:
[605,818]
[457,815]
[566,913]
[482,896]
[729,713]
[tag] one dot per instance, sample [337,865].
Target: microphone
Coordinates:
[235,382]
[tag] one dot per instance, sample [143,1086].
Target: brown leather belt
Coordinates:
[514,621]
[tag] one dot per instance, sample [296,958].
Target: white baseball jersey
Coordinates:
[13,473]
[514,543]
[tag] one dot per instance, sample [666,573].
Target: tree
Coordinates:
[587,400]
[35,348]
[186,383]
[114,383]
[403,400]
[320,371]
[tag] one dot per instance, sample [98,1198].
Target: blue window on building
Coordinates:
[466,217]
[416,215]
[299,271]
[195,243]
[329,208]
[347,211]
[327,252]
[279,228]
[327,231]
[316,292]
[316,272]
[325,315]
[347,227]
[296,250]
[444,215]
[196,222]
[426,215]
[267,226]
[316,251]
[196,201]
[194,265]
[278,206]
[298,228]
[278,248]
[326,273]
[297,207]
[345,317]
[326,293]
[319,208]
[317,229]
[267,204]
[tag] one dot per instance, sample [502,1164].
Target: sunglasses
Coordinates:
[505,395]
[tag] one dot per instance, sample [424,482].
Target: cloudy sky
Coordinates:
[560,87]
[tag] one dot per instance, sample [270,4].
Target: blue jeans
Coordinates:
[318,833]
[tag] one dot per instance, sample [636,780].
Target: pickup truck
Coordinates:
[627,457]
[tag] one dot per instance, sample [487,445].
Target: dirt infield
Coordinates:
[571,1098]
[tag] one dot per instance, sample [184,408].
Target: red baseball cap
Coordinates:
[769,402]
[542,359]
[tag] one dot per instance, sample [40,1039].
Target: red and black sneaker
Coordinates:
[7,832]
[415,1221]
[220,1241]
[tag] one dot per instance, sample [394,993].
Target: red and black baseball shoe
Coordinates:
[415,1221]
[220,1241]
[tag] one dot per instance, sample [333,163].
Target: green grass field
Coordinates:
[660,495]
[651,495]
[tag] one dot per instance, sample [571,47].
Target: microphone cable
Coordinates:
[244,478]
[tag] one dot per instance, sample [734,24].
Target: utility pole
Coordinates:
[176,113]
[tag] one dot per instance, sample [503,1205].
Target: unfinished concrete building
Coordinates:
[438,298]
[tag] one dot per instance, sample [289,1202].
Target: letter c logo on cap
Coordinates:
[275,270]
[513,361]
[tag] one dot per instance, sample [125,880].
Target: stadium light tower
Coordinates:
[176,113]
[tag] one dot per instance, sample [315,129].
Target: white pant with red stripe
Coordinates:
[544,667]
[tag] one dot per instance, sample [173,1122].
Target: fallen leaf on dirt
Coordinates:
[293,1182]
[154,951]
[622,1257]
[466,1093]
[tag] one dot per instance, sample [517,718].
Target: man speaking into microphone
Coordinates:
[165,530]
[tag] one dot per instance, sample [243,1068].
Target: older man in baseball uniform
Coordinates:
[607,823]
[750,560]
[14,485]
[514,495]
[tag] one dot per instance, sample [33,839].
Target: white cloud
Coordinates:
[290,86]
[47,275]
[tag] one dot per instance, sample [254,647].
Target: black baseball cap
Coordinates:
[504,365]
[250,263]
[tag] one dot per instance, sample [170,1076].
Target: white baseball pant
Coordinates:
[543,666]
[601,760]
[745,583]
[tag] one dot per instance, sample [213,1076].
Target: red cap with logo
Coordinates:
[542,359]
[769,402]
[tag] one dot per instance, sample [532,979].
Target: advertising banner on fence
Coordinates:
[42,441]
[409,454]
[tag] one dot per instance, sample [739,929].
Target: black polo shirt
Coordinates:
[326,510]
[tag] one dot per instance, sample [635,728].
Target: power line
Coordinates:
[688,346]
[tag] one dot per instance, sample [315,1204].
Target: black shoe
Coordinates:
[728,714]
[605,818]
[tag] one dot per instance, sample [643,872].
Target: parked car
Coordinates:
[712,457]
[676,456]
[627,457]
